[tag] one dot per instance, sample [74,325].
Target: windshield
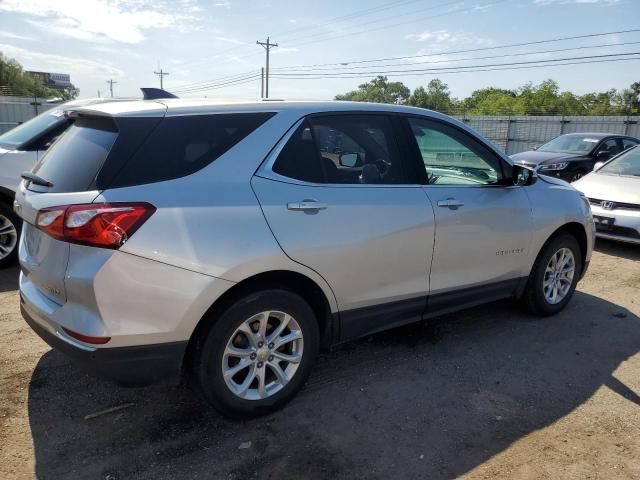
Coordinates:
[570,144]
[31,129]
[626,164]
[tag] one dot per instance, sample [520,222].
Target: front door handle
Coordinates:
[450,203]
[307,205]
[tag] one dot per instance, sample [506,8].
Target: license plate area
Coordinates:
[603,223]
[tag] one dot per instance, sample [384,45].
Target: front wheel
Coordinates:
[554,276]
[10,226]
[258,353]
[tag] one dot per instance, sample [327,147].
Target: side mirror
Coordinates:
[535,147]
[349,159]
[598,166]
[603,154]
[523,176]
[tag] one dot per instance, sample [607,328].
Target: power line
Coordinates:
[217,79]
[217,84]
[505,55]
[481,68]
[267,46]
[479,49]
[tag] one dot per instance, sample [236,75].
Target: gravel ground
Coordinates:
[486,393]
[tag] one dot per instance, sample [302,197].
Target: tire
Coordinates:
[536,296]
[10,228]
[210,359]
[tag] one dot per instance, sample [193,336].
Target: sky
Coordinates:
[209,47]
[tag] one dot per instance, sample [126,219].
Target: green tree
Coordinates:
[13,77]
[378,90]
[435,97]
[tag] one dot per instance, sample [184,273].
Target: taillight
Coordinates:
[106,225]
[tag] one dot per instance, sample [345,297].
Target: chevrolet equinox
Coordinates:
[231,242]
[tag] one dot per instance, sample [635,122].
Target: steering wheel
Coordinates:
[384,167]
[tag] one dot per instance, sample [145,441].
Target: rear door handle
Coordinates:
[307,205]
[450,203]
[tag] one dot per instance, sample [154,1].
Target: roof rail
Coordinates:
[150,93]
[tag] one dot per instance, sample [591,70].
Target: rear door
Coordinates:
[339,200]
[482,221]
[71,167]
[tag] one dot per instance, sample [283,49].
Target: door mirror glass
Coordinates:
[603,154]
[598,166]
[349,159]
[523,176]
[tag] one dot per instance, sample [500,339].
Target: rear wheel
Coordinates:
[554,276]
[258,353]
[10,226]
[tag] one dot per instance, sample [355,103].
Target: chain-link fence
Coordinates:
[518,133]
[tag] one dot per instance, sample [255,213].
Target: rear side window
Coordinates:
[182,145]
[73,162]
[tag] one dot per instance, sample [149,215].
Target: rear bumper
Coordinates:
[138,365]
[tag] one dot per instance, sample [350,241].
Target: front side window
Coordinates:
[451,157]
[628,143]
[609,146]
[342,149]
[626,164]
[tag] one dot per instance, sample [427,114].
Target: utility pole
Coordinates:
[267,46]
[161,74]
[262,82]
[111,82]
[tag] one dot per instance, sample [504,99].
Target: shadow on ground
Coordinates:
[9,279]
[415,402]
[618,249]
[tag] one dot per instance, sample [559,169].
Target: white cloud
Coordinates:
[15,36]
[445,37]
[591,2]
[30,59]
[230,40]
[103,20]
[226,4]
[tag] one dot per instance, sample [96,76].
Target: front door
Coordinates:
[483,223]
[338,200]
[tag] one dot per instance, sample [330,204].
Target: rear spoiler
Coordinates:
[150,93]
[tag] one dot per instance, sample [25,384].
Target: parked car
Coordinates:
[231,242]
[613,190]
[22,147]
[572,156]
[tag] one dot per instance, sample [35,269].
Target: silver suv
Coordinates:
[232,242]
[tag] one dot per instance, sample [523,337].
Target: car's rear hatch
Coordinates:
[65,176]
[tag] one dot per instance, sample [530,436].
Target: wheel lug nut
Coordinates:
[260,364]
[271,345]
[253,356]
[271,358]
[260,344]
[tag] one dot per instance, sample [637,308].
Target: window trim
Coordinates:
[266,168]
[417,160]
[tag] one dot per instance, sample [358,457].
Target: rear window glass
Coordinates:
[73,162]
[180,146]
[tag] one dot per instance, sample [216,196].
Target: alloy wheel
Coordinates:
[262,355]
[8,237]
[558,276]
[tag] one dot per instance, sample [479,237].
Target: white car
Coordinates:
[613,189]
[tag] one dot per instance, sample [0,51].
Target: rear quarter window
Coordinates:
[182,145]
[75,159]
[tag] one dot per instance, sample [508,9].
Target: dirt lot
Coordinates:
[487,393]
